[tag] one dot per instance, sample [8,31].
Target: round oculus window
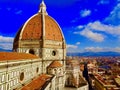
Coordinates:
[31,51]
[54,53]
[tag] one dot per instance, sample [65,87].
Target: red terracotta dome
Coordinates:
[55,64]
[33,28]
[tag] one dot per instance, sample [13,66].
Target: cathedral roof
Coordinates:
[55,64]
[33,29]
[38,83]
[39,25]
[16,56]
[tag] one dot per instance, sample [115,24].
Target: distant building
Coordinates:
[105,82]
[74,76]
[92,67]
[92,80]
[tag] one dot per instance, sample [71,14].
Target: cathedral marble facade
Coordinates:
[42,37]
[38,58]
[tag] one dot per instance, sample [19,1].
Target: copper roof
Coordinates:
[16,56]
[55,64]
[32,29]
[37,83]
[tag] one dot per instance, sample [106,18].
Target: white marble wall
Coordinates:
[59,73]
[47,54]
[10,72]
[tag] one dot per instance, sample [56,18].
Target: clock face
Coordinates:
[54,53]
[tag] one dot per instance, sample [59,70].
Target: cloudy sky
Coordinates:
[88,25]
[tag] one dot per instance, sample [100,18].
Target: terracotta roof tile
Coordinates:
[16,56]
[37,83]
[53,31]
[33,29]
[55,64]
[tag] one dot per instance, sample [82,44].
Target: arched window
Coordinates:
[37,69]
[54,53]
[55,71]
[31,51]
[22,76]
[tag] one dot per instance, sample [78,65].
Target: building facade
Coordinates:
[18,69]
[42,36]
[74,76]
[38,57]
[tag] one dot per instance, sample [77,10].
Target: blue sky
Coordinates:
[88,25]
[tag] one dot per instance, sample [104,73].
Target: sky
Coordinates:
[88,25]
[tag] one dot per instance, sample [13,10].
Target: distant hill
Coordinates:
[94,54]
[3,50]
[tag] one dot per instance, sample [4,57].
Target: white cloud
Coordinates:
[6,39]
[78,43]
[72,46]
[98,26]
[6,46]
[6,42]
[99,49]
[91,35]
[80,27]
[93,49]
[114,17]
[18,12]
[91,31]
[103,2]
[117,49]
[85,13]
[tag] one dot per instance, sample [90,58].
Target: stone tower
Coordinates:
[42,36]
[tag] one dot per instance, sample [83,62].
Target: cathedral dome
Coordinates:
[32,29]
[55,64]
[39,25]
